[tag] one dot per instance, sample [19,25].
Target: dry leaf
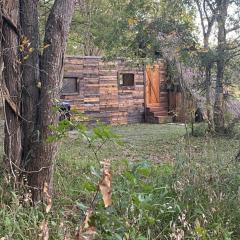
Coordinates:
[87,219]
[47,197]
[18,61]
[132,21]
[44,234]
[26,57]
[63,230]
[39,85]
[89,234]
[46,46]
[49,206]
[105,185]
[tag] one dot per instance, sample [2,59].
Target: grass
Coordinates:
[165,186]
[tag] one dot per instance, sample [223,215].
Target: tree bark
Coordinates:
[219,103]
[30,76]
[1,62]
[207,30]
[208,80]
[11,87]
[31,88]
[51,74]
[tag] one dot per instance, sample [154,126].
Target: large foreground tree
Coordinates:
[31,83]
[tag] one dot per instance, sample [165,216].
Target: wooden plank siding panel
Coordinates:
[100,96]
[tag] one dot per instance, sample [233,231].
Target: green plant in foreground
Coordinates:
[196,196]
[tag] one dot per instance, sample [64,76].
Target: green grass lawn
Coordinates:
[168,154]
[165,185]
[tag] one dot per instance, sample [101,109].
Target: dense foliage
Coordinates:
[131,29]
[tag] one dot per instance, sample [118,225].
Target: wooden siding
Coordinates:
[99,94]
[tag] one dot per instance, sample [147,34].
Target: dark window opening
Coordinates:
[70,85]
[126,79]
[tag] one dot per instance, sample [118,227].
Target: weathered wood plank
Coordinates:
[99,96]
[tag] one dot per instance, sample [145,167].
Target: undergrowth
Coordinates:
[165,186]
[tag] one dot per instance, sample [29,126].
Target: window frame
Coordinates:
[77,86]
[120,74]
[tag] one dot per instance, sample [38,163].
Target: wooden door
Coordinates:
[152,84]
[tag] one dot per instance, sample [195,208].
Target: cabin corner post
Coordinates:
[144,92]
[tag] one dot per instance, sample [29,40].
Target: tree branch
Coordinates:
[236,27]
[201,16]
[205,11]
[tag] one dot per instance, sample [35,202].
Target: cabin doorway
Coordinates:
[152,85]
[156,95]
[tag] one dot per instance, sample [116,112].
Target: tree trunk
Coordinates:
[11,87]
[1,63]
[51,73]
[210,19]
[30,76]
[218,105]
[208,81]
[31,88]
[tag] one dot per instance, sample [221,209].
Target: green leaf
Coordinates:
[89,186]
[145,171]
[200,231]
[82,206]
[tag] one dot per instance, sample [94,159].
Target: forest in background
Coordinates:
[127,182]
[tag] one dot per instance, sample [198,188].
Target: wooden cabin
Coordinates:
[117,92]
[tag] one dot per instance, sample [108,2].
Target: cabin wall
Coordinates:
[99,95]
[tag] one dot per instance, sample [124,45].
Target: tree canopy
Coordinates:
[132,29]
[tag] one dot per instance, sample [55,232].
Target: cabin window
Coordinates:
[126,80]
[70,85]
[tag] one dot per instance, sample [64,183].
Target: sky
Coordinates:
[234,14]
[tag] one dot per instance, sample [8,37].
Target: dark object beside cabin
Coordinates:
[64,110]
[198,116]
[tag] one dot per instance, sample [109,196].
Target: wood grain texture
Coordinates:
[100,96]
[12,81]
